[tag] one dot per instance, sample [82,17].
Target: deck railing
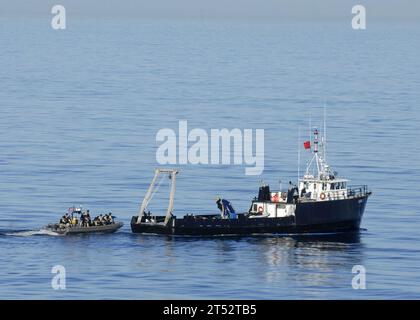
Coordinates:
[357,191]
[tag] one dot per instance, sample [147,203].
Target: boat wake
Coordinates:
[30,233]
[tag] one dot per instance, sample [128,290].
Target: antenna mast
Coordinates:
[310,127]
[319,153]
[298,155]
[324,143]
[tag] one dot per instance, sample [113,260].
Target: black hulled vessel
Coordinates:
[320,203]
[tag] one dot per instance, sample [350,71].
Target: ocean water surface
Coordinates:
[80,110]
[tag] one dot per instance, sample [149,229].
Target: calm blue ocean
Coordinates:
[79,113]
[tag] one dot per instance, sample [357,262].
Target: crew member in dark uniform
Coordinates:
[226,209]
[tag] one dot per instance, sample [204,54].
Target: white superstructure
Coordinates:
[320,182]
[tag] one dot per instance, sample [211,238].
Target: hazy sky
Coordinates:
[217,9]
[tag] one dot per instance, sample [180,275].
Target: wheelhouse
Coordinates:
[311,188]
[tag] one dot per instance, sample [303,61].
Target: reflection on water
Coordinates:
[126,265]
[308,262]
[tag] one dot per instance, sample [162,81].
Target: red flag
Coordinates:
[307,144]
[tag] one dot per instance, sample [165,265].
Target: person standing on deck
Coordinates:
[226,209]
[290,193]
